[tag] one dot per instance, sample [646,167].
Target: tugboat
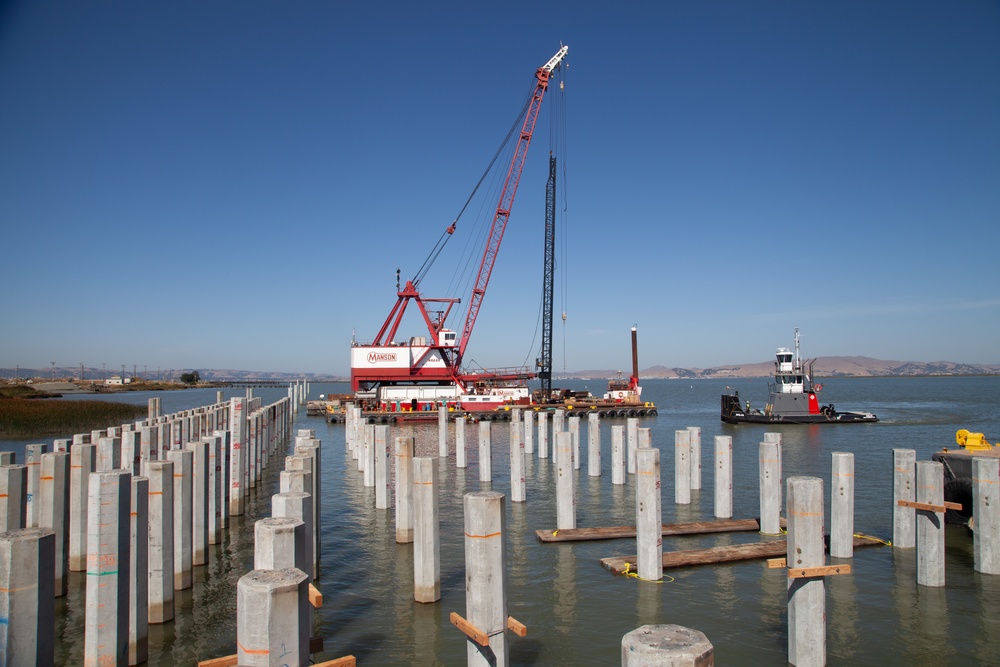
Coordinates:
[793,398]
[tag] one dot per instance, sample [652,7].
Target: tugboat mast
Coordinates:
[797,360]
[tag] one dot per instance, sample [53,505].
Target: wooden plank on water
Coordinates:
[315,646]
[668,529]
[723,554]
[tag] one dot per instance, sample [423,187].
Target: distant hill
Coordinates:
[824,367]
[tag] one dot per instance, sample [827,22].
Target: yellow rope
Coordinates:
[873,538]
[859,535]
[667,579]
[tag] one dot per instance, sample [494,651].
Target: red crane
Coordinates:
[439,359]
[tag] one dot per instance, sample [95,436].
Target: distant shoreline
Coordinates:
[53,387]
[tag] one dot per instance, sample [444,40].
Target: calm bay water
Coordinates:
[576,611]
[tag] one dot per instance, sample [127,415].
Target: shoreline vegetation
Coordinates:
[39,388]
[24,415]
[27,418]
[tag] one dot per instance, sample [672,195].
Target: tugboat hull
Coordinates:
[733,412]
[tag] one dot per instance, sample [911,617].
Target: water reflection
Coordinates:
[564,590]
[403,596]
[987,590]
[517,546]
[689,512]
[932,619]
[724,592]
[589,501]
[622,503]
[904,597]
[773,591]
[425,634]
[648,602]
[842,614]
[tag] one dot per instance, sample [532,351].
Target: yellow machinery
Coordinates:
[975,442]
[958,472]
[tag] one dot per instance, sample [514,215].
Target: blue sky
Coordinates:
[234,184]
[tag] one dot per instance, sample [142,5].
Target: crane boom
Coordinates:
[507,199]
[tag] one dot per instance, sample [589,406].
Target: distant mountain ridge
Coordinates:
[823,367]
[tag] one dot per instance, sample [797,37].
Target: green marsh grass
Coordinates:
[31,418]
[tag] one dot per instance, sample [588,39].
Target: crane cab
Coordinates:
[447,338]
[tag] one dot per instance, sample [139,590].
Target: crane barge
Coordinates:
[420,372]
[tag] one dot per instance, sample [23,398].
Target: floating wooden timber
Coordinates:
[724,554]
[315,646]
[621,532]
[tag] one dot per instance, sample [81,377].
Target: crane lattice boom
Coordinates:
[507,199]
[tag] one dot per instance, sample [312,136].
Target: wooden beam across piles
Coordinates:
[723,554]
[668,529]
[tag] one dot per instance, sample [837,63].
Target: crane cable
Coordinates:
[564,227]
[447,234]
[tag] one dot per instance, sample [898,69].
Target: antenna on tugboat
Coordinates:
[796,347]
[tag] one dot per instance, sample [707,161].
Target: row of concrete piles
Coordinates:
[415,496]
[274,610]
[918,505]
[805,545]
[919,508]
[918,521]
[136,507]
